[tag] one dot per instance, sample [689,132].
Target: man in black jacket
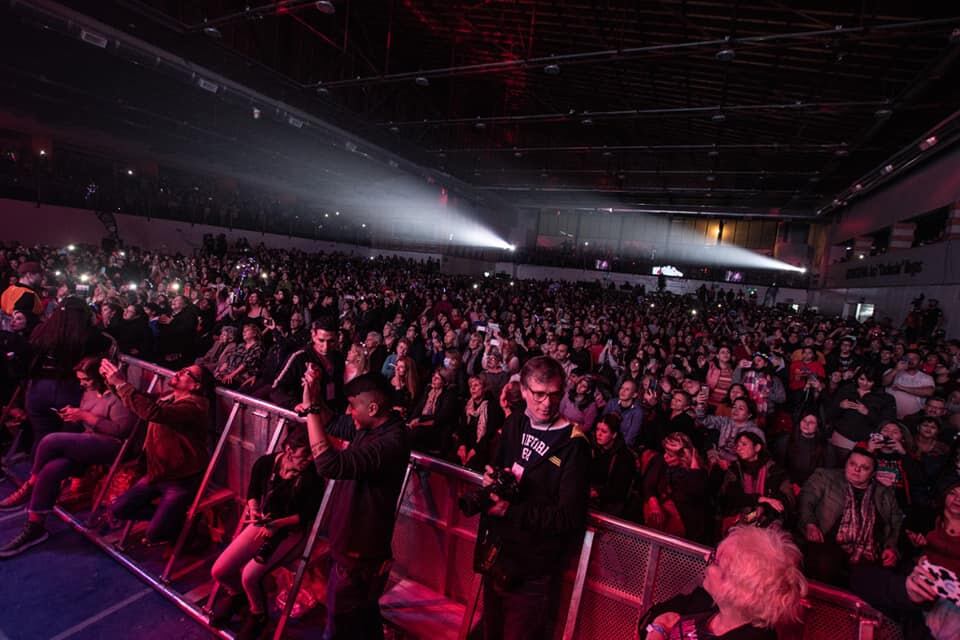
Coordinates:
[369,475]
[550,458]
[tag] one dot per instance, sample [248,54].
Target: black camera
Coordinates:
[505,485]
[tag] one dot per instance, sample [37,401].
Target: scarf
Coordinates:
[856,532]
[430,406]
[478,411]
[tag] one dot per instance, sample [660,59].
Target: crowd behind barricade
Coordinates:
[704,414]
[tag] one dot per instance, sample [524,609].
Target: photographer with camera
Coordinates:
[535,501]
[282,501]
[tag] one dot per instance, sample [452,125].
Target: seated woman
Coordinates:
[806,450]
[472,435]
[282,502]
[754,490]
[435,414]
[848,519]
[612,468]
[103,422]
[404,383]
[215,357]
[727,428]
[241,367]
[753,583]
[674,490]
[579,405]
[941,546]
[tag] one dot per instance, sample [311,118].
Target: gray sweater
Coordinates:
[114,419]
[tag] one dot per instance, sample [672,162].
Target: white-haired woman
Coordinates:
[749,561]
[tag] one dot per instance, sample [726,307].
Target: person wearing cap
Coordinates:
[848,518]
[25,295]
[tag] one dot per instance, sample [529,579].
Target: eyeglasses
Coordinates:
[540,396]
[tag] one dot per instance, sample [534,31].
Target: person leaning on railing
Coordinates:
[175,448]
[753,583]
[282,501]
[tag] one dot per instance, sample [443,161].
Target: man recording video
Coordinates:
[522,544]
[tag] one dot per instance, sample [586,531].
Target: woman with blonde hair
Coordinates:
[752,584]
[405,385]
[355,363]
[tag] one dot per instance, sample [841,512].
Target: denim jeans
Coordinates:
[353,601]
[63,455]
[521,612]
[44,394]
[167,519]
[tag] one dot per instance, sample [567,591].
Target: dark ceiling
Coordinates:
[745,107]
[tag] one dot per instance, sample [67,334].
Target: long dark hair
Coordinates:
[65,334]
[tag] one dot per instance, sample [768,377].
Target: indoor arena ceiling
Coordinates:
[744,107]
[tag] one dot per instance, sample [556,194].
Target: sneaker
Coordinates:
[253,627]
[225,607]
[16,500]
[33,534]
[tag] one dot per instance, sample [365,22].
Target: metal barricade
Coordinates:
[621,570]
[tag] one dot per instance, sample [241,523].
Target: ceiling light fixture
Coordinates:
[887,170]
[726,55]
[422,81]
[718,118]
[883,113]
[928,142]
[212,32]
[325,7]
[552,69]
[587,122]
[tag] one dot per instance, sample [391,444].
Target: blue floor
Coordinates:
[67,588]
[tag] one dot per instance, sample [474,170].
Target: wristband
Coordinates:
[653,626]
[314,408]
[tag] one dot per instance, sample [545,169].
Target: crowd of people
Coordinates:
[698,415]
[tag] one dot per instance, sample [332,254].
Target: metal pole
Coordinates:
[575,596]
[192,514]
[304,560]
[117,461]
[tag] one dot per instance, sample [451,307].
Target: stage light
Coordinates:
[43,152]
[129,172]
[336,213]
[486,274]
[71,247]
[326,215]
[803,269]
[363,225]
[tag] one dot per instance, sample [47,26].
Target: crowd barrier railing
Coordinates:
[620,571]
